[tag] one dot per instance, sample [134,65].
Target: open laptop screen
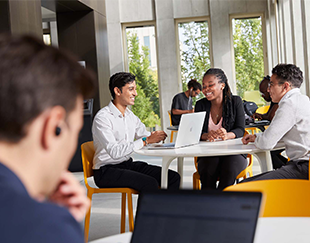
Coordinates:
[196,216]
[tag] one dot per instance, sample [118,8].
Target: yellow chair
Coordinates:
[263,109]
[87,159]
[254,96]
[172,132]
[252,130]
[260,110]
[282,198]
[247,172]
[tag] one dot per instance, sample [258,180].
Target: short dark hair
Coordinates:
[194,84]
[33,78]
[289,73]
[119,80]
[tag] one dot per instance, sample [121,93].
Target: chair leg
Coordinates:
[87,217]
[123,212]
[195,184]
[171,137]
[130,211]
[196,181]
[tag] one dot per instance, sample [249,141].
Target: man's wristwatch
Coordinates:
[144,139]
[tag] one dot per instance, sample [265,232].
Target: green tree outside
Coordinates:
[146,105]
[195,54]
[249,56]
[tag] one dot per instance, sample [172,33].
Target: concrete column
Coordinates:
[305,8]
[272,42]
[167,57]
[221,39]
[115,38]
[297,35]
[20,17]
[103,65]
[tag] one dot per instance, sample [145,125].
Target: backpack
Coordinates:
[249,107]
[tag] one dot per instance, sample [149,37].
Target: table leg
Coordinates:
[264,159]
[180,170]
[164,171]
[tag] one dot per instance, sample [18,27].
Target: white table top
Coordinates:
[269,230]
[218,148]
[204,148]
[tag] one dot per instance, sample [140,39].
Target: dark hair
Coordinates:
[266,78]
[119,80]
[194,84]
[227,100]
[289,73]
[33,78]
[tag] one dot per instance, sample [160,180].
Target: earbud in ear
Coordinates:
[57,131]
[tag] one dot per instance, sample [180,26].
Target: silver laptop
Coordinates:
[189,132]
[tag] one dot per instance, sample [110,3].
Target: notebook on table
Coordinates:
[189,132]
[196,216]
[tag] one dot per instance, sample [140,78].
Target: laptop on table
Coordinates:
[196,216]
[189,132]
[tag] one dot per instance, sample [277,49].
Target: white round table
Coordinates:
[269,230]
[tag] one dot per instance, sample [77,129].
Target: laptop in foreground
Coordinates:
[189,131]
[196,216]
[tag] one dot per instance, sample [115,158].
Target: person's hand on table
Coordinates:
[191,111]
[221,133]
[257,116]
[211,136]
[156,137]
[72,195]
[248,138]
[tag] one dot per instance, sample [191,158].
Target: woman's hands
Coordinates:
[221,133]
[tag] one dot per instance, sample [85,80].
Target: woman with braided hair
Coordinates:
[224,120]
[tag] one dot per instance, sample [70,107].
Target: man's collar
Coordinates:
[289,94]
[115,111]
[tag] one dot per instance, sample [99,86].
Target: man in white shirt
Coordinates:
[116,133]
[291,124]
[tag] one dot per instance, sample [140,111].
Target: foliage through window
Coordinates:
[249,56]
[194,51]
[146,105]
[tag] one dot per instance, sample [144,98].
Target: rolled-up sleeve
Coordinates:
[282,122]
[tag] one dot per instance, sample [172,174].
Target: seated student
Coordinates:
[291,124]
[182,103]
[116,133]
[263,88]
[41,109]
[224,120]
[277,159]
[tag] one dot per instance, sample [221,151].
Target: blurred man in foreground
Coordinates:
[41,109]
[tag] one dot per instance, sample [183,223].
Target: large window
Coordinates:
[142,62]
[194,50]
[248,55]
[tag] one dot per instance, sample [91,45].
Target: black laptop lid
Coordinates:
[196,216]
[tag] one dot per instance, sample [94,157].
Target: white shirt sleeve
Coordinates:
[282,122]
[140,131]
[116,147]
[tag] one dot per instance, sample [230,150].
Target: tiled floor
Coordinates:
[105,214]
